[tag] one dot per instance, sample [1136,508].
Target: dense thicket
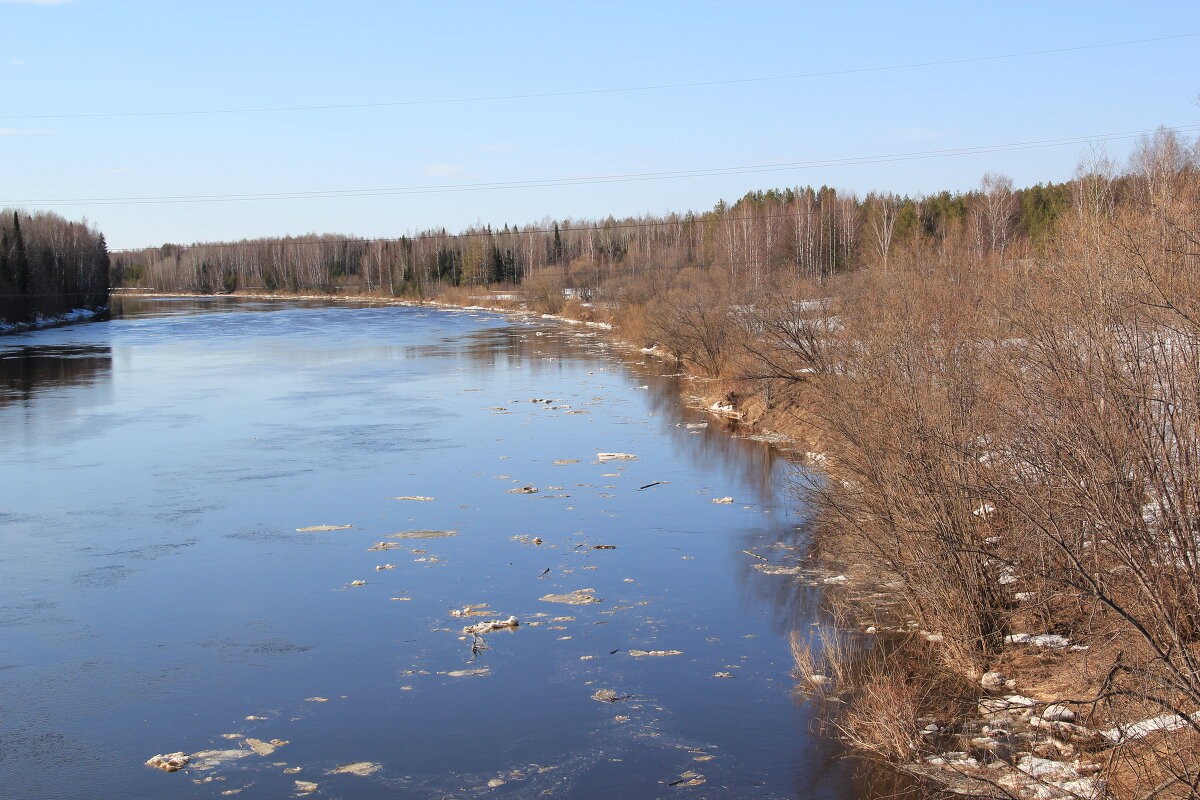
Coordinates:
[49,265]
[803,233]
[1016,442]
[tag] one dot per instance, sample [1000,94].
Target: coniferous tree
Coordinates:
[20,263]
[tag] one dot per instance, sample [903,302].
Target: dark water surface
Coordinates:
[155,593]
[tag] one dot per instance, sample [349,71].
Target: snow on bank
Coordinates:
[43,321]
[1164,723]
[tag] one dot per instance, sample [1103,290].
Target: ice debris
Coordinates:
[579,597]
[363,768]
[169,762]
[993,680]
[492,625]
[421,534]
[1050,640]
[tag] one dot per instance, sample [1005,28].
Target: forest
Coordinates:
[49,266]
[800,233]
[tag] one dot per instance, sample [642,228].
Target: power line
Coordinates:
[781,166]
[601,91]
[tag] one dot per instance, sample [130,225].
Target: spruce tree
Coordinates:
[20,262]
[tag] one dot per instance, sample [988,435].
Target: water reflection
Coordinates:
[26,371]
[542,350]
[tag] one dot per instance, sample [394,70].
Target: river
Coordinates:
[156,594]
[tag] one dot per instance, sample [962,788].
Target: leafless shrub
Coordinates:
[993,439]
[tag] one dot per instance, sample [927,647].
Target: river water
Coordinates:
[156,595]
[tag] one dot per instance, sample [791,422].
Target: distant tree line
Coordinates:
[49,265]
[803,232]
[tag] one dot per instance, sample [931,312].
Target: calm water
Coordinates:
[155,595]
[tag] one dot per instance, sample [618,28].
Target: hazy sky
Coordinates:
[79,77]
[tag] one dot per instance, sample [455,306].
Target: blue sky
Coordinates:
[62,60]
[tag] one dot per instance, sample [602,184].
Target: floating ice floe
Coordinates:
[169,762]
[464,673]
[778,569]
[421,534]
[579,597]
[472,610]
[689,778]
[211,759]
[314,528]
[261,748]
[363,768]
[492,625]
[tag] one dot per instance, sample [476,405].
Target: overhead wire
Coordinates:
[602,90]
[781,166]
